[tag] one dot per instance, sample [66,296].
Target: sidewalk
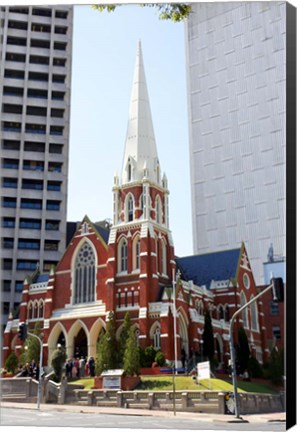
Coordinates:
[250,418]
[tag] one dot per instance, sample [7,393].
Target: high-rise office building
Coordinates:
[35,78]
[236,60]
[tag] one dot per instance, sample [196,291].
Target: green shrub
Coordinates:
[160,358]
[150,354]
[11,362]
[58,361]
[255,370]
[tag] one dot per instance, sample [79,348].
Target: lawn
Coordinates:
[154,383]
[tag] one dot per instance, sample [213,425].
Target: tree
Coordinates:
[243,351]
[131,355]
[124,337]
[33,345]
[276,366]
[107,352]
[58,361]
[208,339]
[11,363]
[175,12]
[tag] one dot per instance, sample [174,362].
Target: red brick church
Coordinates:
[130,266]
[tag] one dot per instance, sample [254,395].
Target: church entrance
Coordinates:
[61,340]
[81,344]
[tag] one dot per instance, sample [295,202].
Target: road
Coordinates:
[29,417]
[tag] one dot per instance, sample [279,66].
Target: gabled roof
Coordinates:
[202,269]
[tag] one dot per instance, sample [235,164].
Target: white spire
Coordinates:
[140,146]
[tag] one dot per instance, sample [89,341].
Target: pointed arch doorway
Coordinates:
[81,344]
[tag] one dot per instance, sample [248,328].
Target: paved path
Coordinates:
[250,418]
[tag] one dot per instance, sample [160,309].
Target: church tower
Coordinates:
[141,253]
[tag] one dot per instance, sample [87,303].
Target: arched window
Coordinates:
[35,310]
[227,313]
[221,312]
[30,310]
[158,208]
[129,208]
[157,338]
[164,258]
[41,309]
[137,334]
[254,316]
[244,312]
[84,280]
[123,255]
[136,253]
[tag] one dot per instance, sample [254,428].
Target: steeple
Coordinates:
[140,156]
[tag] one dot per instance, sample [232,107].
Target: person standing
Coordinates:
[82,364]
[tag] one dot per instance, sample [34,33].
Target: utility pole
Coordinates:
[232,350]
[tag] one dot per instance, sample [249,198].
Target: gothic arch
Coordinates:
[53,340]
[155,334]
[219,347]
[183,330]
[89,269]
[226,313]
[122,254]
[254,315]
[220,312]
[95,330]
[129,207]
[73,332]
[136,251]
[164,256]
[158,209]
[244,312]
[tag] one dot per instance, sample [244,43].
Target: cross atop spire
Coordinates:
[140,156]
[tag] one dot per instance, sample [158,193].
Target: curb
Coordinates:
[150,413]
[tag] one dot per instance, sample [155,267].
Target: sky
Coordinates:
[104,53]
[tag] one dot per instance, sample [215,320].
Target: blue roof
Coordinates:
[104,232]
[202,269]
[41,278]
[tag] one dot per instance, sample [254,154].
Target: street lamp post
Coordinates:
[40,368]
[174,335]
[232,350]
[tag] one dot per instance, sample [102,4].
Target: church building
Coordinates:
[130,266]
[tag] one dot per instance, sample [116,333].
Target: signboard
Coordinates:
[112,382]
[203,370]
[112,378]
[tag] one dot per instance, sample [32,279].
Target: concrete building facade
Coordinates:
[35,80]
[236,62]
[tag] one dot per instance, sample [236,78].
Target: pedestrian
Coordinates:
[82,364]
[92,366]
[183,357]
[76,364]
[68,368]
[87,369]
[74,369]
